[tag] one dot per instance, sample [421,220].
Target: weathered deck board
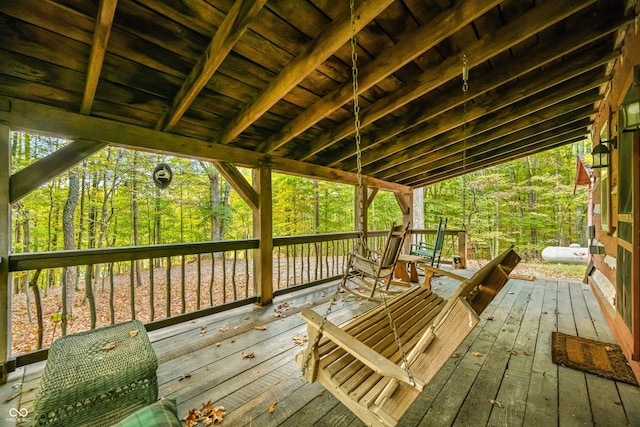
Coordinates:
[532,390]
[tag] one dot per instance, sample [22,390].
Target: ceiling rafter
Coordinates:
[412,45]
[526,26]
[104,21]
[336,34]
[235,23]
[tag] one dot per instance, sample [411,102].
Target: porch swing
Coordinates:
[379,363]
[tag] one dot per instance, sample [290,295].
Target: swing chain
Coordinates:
[356,116]
[465,88]
[356,122]
[397,341]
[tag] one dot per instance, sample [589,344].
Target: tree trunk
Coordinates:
[68,230]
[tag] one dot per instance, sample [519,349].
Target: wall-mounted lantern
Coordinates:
[601,154]
[630,117]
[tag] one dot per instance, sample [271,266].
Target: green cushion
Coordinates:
[163,413]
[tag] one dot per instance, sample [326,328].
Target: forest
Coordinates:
[110,200]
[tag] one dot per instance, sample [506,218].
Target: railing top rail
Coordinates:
[42,260]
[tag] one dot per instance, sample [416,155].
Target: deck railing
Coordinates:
[160,284]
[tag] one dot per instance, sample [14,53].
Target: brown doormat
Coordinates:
[599,358]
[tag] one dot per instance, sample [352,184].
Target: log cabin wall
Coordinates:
[604,277]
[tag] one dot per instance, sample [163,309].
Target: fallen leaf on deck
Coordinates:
[300,340]
[490,318]
[133,333]
[455,355]
[272,407]
[110,346]
[556,311]
[184,376]
[609,348]
[261,327]
[321,394]
[248,355]
[496,403]
[526,353]
[513,352]
[476,354]
[223,328]
[203,330]
[192,417]
[217,344]
[544,312]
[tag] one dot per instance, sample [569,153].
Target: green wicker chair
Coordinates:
[97,377]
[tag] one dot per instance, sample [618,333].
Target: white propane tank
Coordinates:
[573,254]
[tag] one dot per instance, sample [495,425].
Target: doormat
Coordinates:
[599,358]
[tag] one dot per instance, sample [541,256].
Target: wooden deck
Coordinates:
[531,389]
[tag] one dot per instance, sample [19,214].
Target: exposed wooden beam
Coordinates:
[372,195]
[98,49]
[537,57]
[43,119]
[239,183]
[514,142]
[403,202]
[531,124]
[536,20]
[36,174]
[335,35]
[412,45]
[232,28]
[526,112]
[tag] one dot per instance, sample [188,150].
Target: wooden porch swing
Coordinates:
[359,363]
[379,363]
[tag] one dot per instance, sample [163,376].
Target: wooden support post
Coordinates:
[263,230]
[361,209]
[5,239]
[463,238]
[405,201]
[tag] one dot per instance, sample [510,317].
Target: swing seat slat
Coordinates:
[360,363]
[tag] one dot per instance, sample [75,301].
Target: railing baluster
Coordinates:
[288,275]
[183,301]
[246,273]
[233,276]
[152,300]
[168,289]
[224,277]
[38,300]
[111,294]
[132,294]
[199,282]
[211,280]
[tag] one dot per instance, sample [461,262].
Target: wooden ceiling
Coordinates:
[270,82]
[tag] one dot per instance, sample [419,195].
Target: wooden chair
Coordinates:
[431,251]
[369,272]
[362,367]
